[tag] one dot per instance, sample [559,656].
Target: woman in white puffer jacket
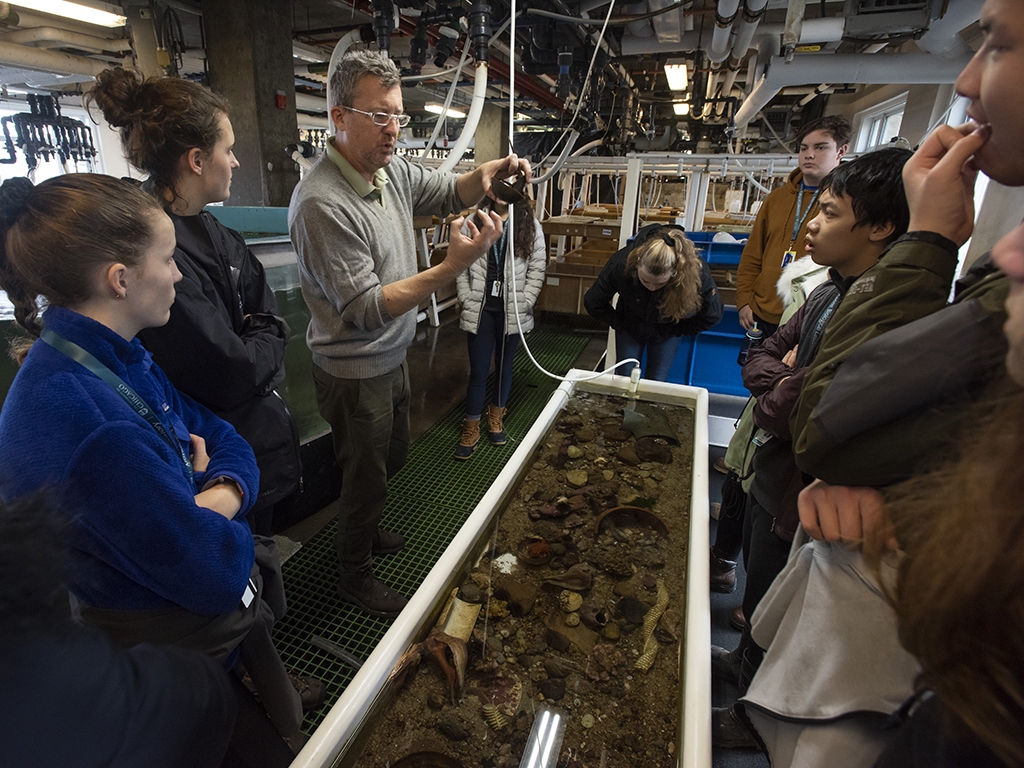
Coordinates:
[489,319]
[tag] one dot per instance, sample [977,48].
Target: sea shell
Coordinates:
[578,578]
[594,614]
[534,550]
[630,516]
[667,630]
[570,601]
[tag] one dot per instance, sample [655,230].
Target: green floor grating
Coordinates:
[428,501]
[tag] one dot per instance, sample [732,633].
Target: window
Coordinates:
[879,124]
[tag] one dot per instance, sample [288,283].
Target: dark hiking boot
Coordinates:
[371,594]
[387,542]
[729,732]
[722,573]
[726,664]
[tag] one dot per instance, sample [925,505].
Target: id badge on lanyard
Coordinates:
[788,257]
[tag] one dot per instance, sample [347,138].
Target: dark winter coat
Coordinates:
[637,312]
[897,365]
[777,481]
[224,346]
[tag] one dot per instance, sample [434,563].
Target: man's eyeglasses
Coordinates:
[382,118]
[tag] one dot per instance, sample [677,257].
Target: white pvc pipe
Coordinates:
[908,68]
[587,147]
[719,48]
[339,50]
[472,119]
[50,61]
[64,36]
[745,30]
[569,144]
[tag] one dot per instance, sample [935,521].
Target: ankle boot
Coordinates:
[470,438]
[495,427]
[722,573]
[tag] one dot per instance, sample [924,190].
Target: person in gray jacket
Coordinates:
[493,318]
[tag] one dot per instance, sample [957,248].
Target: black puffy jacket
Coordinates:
[637,312]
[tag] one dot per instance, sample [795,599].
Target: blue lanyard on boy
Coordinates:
[88,361]
[798,221]
[802,213]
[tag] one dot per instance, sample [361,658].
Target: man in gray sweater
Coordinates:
[351,222]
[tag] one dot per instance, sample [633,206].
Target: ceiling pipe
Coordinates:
[943,35]
[49,61]
[63,37]
[472,119]
[641,46]
[752,11]
[910,69]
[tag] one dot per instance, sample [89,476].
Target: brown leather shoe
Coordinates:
[737,620]
[722,574]
[720,466]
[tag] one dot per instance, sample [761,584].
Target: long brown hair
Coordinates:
[669,250]
[960,592]
[160,119]
[54,238]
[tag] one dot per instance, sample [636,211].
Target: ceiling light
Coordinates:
[437,109]
[309,53]
[100,14]
[681,108]
[675,71]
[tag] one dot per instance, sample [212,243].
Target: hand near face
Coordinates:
[939,181]
[852,516]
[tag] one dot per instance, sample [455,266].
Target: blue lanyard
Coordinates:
[79,355]
[499,254]
[798,220]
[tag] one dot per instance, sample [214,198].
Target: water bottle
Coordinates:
[752,339]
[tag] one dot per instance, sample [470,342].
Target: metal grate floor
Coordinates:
[428,501]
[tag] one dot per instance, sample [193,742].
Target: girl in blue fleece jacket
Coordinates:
[157,486]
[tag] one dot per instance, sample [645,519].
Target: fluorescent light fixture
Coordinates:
[100,14]
[308,53]
[681,108]
[544,740]
[439,109]
[675,72]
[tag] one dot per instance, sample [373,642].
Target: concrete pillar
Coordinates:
[491,140]
[249,49]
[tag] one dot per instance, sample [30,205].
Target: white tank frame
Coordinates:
[340,728]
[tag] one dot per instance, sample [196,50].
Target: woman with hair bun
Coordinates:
[155,486]
[225,342]
[665,292]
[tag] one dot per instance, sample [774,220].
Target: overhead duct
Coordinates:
[811,69]
[49,61]
[49,37]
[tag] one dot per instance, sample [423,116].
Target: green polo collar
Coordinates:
[362,187]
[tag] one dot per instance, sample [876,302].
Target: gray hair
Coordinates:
[353,66]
